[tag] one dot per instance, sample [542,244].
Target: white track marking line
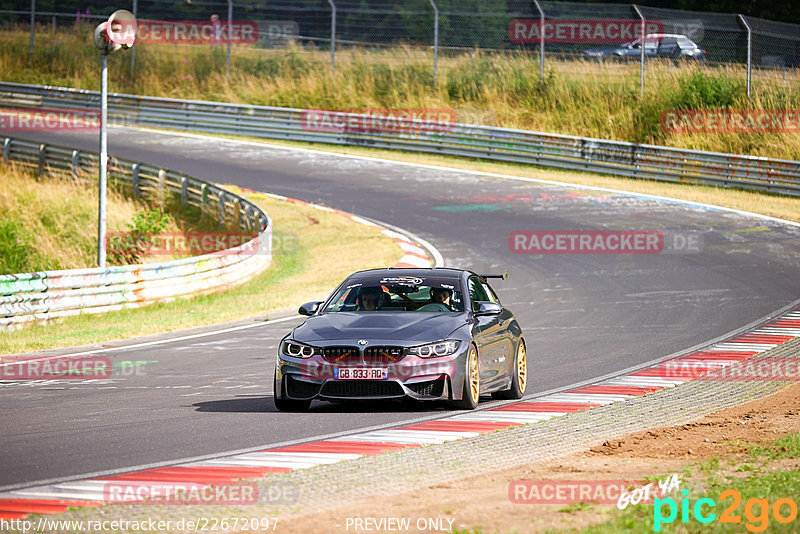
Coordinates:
[597,398]
[508,416]
[422,437]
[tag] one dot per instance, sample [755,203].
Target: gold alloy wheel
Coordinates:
[522,367]
[474,376]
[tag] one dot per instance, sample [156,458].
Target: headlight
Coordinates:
[435,350]
[298,350]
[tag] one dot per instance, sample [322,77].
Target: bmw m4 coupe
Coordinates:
[424,334]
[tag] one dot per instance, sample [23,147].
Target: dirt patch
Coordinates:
[483,504]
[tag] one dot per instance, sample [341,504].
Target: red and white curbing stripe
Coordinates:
[225,470]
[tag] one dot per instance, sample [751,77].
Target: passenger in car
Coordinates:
[442,296]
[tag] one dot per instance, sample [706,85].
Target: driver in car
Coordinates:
[368,298]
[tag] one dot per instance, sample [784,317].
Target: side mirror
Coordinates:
[488,308]
[309,308]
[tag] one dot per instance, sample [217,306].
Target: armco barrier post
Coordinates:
[221,208]
[6,150]
[135,180]
[162,186]
[76,164]
[41,168]
[184,192]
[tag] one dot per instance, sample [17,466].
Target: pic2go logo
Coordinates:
[756,511]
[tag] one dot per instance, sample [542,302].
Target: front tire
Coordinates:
[472,383]
[520,378]
[284,404]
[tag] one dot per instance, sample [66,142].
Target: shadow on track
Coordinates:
[267,404]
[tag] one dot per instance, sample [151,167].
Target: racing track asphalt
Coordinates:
[583,315]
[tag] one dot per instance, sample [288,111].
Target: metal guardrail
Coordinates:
[500,144]
[41,296]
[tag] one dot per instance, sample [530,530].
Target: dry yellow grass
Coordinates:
[579,98]
[54,221]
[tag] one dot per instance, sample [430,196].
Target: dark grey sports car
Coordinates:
[426,334]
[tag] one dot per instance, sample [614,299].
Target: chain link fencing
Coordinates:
[585,40]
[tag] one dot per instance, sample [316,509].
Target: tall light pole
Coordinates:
[118,31]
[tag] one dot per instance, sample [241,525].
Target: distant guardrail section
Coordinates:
[485,142]
[45,295]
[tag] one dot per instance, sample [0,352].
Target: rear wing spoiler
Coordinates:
[503,276]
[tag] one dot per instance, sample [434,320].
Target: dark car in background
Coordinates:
[423,334]
[656,45]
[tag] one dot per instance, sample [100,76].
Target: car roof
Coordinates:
[665,35]
[442,272]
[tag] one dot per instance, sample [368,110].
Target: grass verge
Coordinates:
[300,272]
[749,489]
[51,223]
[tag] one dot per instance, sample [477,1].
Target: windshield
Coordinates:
[399,294]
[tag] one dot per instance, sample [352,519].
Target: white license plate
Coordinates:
[360,373]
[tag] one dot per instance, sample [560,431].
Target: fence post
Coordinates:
[133,48]
[135,179]
[541,40]
[333,36]
[33,28]
[184,192]
[221,208]
[230,32]
[204,199]
[644,35]
[41,158]
[749,51]
[435,40]
[76,164]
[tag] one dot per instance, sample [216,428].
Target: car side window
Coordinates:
[668,43]
[490,293]
[476,292]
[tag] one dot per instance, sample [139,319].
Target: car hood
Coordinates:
[408,328]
